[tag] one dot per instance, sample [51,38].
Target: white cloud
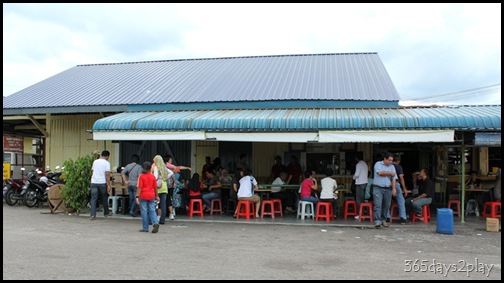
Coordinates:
[426,48]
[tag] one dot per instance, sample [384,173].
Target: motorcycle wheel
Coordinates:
[9,196]
[30,199]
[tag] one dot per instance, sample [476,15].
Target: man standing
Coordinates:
[294,170]
[242,163]
[361,180]
[401,194]
[130,175]
[277,168]
[206,167]
[384,187]
[100,184]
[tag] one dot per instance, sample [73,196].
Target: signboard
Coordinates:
[13,143]
[6,170]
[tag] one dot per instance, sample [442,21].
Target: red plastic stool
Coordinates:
[246,209]
[277,206]
[324,210]
[369,215]
[270,211]
[215,206]
[394,212]
[425,215]
[196,207]
[350,203]
[494,207]
[455,202]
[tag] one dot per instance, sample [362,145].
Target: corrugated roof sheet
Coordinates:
[456,118]
[339,77]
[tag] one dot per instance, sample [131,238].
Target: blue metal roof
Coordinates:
[299,120]
[357,77]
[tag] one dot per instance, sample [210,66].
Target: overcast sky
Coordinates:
[431,51]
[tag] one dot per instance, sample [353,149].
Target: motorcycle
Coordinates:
[36,191]
[13,189]
[55,177]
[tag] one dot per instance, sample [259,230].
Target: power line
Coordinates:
[459,94]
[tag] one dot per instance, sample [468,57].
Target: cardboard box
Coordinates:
[492,224]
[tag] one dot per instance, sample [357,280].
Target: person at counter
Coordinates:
[472,183]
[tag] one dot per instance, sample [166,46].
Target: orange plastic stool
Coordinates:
[455,202]
[369,215]
[277,206]
[494,207]
[425,215]
[270,211]
[324,210]
[246,209]
[195,207]
[394,212]
[215,206]
[350,203]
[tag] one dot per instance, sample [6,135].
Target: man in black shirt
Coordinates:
[426,193]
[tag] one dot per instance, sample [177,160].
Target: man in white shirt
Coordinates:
[286,197]
[246,190]
[361,180]
[100,184]
[329,191]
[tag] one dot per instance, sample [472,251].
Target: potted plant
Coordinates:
[77,182]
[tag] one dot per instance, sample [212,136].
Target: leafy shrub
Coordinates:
[77,182]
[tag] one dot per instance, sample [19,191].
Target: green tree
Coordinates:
[77,182]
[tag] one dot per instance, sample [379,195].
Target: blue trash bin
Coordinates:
[444,221]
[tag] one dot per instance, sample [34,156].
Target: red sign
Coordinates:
[12,143]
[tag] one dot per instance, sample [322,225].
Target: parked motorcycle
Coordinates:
[13,189]
[36,191]
[55,177]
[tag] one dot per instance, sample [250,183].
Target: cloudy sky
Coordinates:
[432,52]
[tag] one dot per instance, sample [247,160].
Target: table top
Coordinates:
[267,187]
[473,190]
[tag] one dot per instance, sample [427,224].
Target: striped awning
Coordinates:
[421,124]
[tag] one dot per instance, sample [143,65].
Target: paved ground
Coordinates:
[41,246]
